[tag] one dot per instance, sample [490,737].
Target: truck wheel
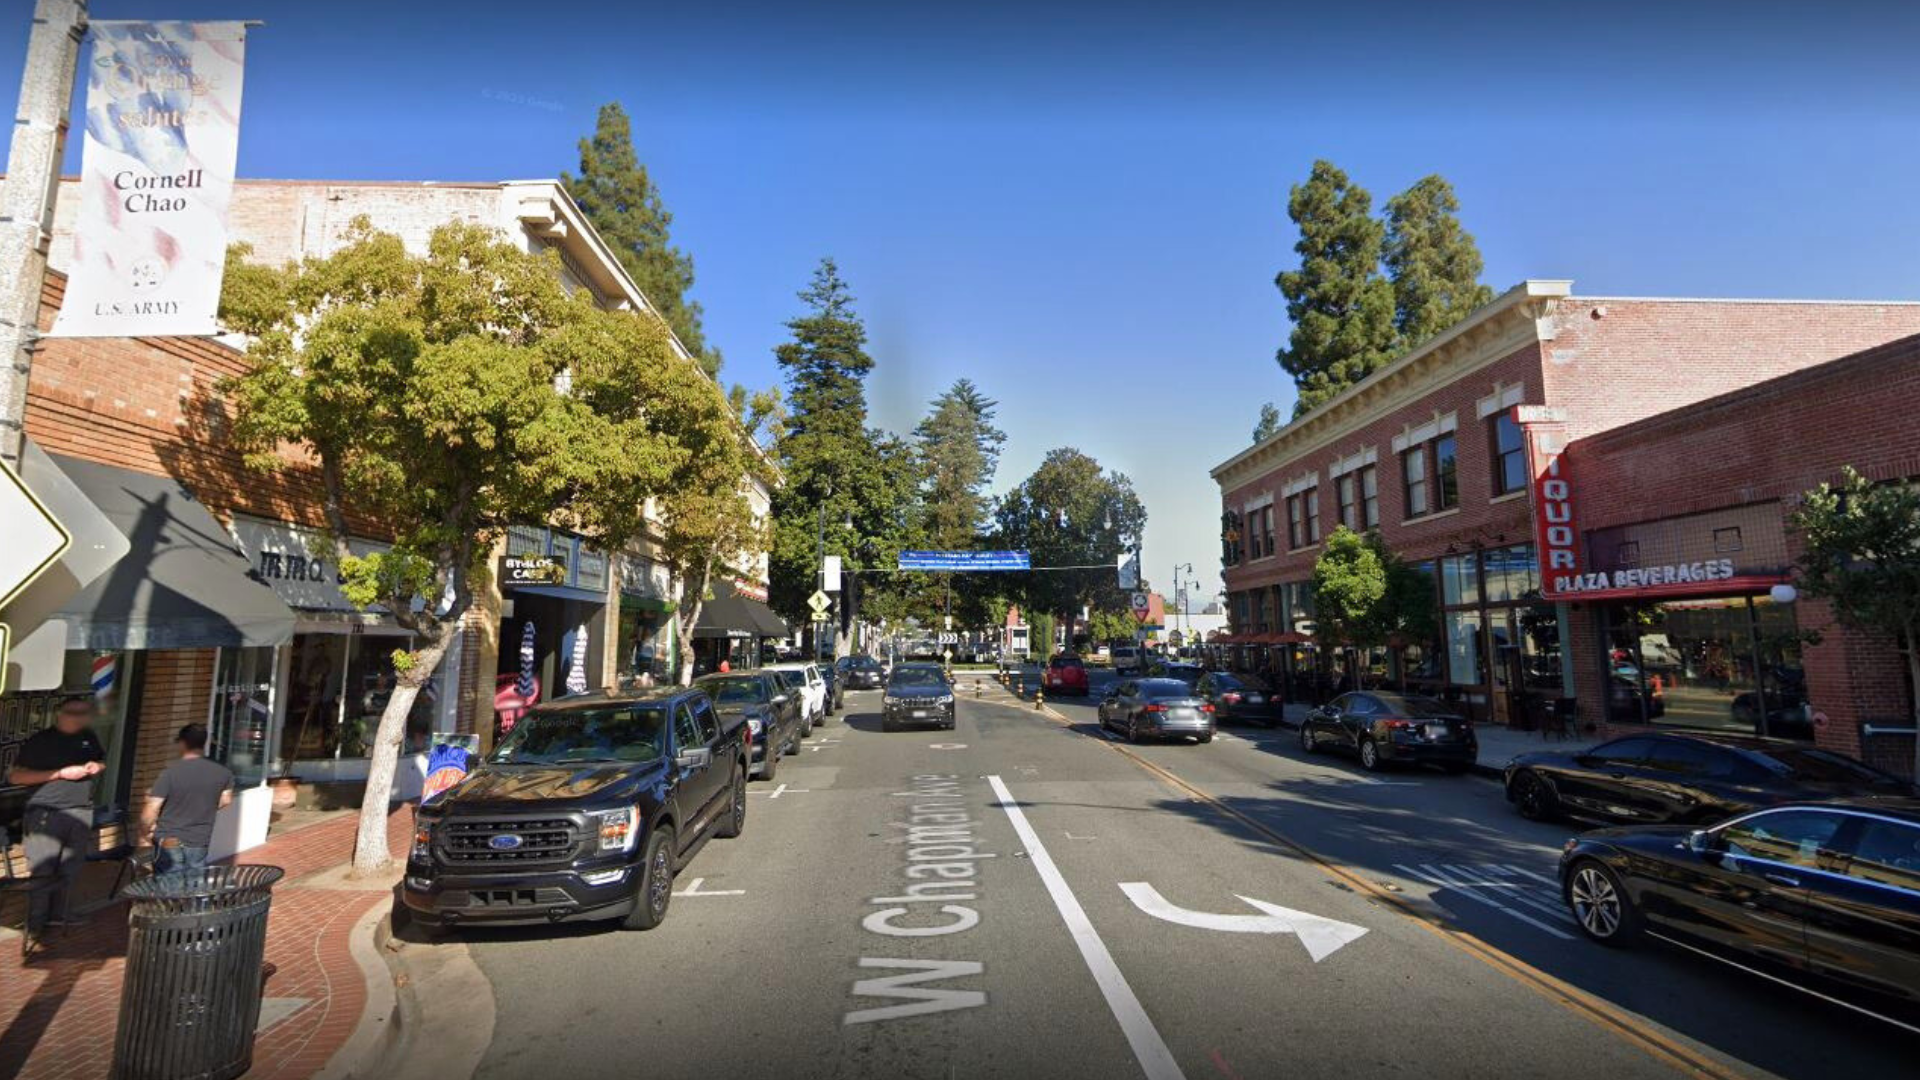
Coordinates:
[770,762]
[655,889]
[735,822]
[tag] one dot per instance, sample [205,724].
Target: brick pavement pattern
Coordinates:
[59,1009]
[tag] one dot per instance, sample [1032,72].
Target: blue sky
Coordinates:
[1082,207]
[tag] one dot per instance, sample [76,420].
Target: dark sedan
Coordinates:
[1693,779]
[1241,698]
[861,672]
[771,712]
[1382,729]
[1190,674]
[1156,708]
[1823,897]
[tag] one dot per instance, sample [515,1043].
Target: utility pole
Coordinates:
[26,201]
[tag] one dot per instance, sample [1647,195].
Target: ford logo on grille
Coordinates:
[505,842]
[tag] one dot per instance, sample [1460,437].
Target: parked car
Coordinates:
[1823,897]
[1156,708]
[771,713]
[793,680]
[1186,673]
[1128,659]
[919,695]
[585,810]
[1383,729]
[813,687]
[1695,779]
[836,689]
[861,672]
[1067,674]
[1240,698]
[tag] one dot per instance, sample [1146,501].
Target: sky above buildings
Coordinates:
[1082,206]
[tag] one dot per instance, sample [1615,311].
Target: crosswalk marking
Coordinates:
[1495,884]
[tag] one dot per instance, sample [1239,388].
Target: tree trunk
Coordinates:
[1913,681]
[370,855]
[686,637]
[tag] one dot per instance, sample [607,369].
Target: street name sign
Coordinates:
[965,560]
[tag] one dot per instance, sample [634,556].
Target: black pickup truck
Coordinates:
[585,810]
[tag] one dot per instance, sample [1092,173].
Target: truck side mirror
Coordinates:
[695,759]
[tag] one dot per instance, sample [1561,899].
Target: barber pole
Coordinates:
[105,673]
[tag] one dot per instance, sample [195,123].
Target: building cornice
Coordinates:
[1516,318]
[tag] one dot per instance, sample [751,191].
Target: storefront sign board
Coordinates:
[517,571]
[1556,530]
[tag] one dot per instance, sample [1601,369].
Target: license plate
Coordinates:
[1438,731]
[919,714]
[1180,714]
[1254,699]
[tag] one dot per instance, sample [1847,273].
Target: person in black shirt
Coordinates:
[59,763]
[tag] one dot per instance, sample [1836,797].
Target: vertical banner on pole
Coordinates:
[156,175]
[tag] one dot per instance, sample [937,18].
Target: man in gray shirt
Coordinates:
[180,810]
[59,763]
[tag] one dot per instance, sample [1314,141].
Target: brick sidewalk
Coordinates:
[58,1011]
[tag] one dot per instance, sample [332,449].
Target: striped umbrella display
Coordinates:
[577,672]
[525,686]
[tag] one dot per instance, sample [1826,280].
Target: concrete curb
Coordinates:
[445,1017]
[378,1029]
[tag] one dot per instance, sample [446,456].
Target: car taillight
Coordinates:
[1154,708]
[1206,708]
[1231,699]
[1398,725]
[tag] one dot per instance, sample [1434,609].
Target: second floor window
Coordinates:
[1446,474]
[1296,526]
[1413,466]
[1346,490]
[1432,477]
[1369,498]
[1311,498]
[1266,531]
[1509,456]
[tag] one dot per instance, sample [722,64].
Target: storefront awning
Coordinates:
[728,614]
[182,584]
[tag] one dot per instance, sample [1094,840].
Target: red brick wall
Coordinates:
[1766,444]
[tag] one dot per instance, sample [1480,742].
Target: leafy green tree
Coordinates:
[1103,625]
[1070,512]
[1862,556]
[1433,262]
[1342,309]
[1349,590]
[615,192]
[444,397]
[1269,424]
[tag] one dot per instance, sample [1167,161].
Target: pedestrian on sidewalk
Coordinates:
[59,763]
[179,814]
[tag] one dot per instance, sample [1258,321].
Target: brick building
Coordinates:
[226,612]
[1437,452]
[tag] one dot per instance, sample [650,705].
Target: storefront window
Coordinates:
[242,712]
[1719,664]
[1459,580]
[1463,648]
[338,686]
[1539,627]
[1510,574]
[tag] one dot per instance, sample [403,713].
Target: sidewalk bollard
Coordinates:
[976,687]
[1039,698]
[190,1000]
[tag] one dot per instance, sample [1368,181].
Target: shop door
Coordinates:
[243,711]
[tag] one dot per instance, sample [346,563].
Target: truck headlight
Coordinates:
[422,842]
[618,828]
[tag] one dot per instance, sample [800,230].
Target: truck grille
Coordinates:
[471,843]
[918,703]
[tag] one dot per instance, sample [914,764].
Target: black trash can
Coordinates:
[196,943]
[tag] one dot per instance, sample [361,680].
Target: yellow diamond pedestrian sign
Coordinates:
[819,602]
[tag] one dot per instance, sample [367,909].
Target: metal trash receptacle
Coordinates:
[196,944]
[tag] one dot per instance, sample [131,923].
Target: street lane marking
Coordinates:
[1321,936]
[783,790]
[693,889]
[1595,1010]
[947,746]
[1432,876]
[1149,1049]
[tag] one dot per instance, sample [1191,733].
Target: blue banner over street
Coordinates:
[965,560]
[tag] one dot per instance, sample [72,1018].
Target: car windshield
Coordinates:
[790,678]
[1066,662]
[1416,705]
[734,690]
[1240,682]
[1164,688]
[568,736]
[917,682]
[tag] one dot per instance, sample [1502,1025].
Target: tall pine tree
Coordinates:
[618,196]
[1342,309]
[1268,425]
[1433,262]
[959,448]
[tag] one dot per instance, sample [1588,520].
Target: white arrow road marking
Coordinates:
[1149,1049]
[693,889]
[1322,936]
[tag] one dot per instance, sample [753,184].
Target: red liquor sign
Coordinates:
[1555,530]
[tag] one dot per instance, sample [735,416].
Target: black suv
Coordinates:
[585,810]
[861,672]
[917,694]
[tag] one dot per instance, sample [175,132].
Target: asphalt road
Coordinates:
[976,903]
